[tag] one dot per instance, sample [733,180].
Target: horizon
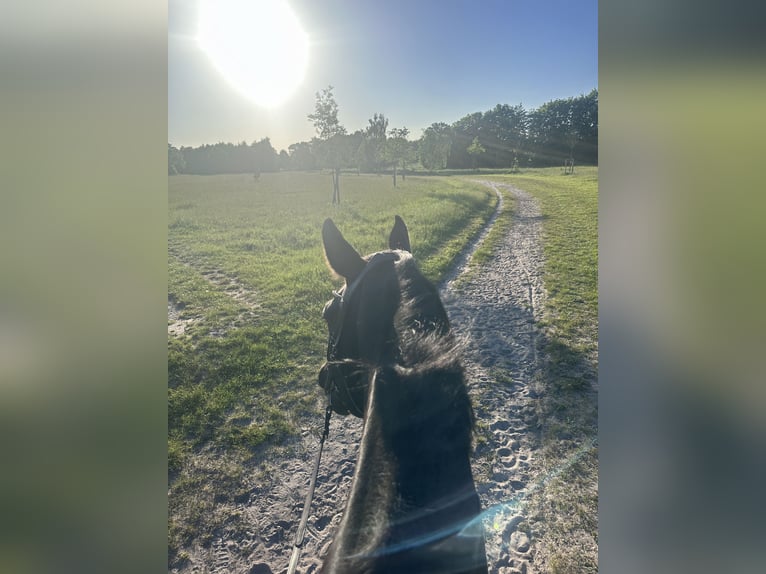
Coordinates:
[416,64]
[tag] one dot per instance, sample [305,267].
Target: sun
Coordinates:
[259,46]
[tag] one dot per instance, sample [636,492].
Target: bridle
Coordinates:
[333,371]
[333,374]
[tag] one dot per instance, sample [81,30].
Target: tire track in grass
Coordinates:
[249,308]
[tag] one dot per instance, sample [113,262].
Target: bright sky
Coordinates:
[416,61]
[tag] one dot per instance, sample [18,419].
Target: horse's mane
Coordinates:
[430,356]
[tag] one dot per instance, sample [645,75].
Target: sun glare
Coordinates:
[257,45]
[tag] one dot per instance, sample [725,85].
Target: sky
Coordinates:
[415,61]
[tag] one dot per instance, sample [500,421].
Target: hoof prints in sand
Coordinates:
[496,312]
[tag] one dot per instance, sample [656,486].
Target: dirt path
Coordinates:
[495,311]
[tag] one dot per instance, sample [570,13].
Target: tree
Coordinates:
[330,141]
[325,116]
[435,146]
[475,150]
[463,132]
[503,130]
[176,162]
[302,156]
[397,148]
[284,160]
[372,148]
[585,120]
[566,129]
[262,157]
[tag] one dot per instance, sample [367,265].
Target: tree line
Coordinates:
[560,131]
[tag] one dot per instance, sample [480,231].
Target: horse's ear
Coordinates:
[343,258]
[400,237]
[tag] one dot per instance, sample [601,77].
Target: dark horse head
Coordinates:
[392,360]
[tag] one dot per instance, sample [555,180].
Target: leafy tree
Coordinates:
[325,116]
[284,160]
[435,146]
[377,127]
[263,156]
[585,120]
[503,131]
[397,148]
[566,128]
[372,148]
[176,162]
[330,141]
[229,158]
[302,156]
[475,150]
[463,132]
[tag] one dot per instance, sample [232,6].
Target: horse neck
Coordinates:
[414,455]
[412,481]
[425,421]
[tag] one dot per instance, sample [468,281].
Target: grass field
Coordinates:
[247,280]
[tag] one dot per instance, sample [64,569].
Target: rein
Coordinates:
[301,532]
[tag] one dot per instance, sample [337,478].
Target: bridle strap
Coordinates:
[343,301]
[301,532]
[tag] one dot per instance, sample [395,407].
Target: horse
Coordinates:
[393,361]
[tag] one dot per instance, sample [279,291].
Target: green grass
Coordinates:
[246,267]
[247,276]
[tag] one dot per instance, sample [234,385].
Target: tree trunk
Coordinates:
[336,186]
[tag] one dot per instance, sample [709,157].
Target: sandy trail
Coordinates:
[495,311]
